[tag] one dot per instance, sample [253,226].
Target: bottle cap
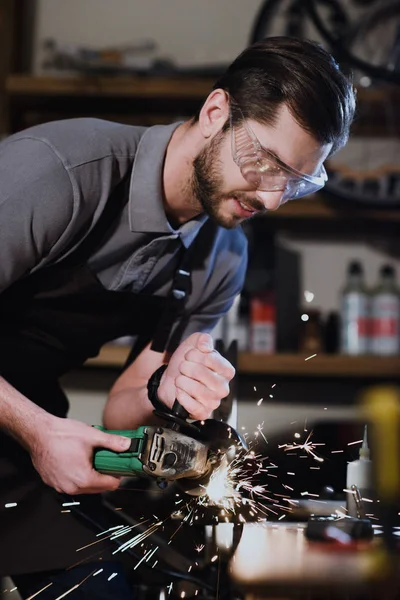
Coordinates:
[364,450]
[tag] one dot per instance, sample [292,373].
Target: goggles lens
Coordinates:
[266,172]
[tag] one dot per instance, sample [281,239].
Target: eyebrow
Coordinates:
[277,157]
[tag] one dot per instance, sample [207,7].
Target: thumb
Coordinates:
[205,343]
[111,441]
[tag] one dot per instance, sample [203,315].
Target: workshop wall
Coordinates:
[186,31]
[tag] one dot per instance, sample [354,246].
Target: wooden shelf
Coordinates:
[150,87]
[322,365]
[317,208]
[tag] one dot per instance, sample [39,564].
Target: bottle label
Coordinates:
[385,319]
[263,337]
[355,323]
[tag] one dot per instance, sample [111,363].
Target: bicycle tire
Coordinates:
[341,52]
[385,13]
[263,24]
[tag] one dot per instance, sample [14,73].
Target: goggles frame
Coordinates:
[252,159]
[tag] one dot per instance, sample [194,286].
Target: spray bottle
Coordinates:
[359,482]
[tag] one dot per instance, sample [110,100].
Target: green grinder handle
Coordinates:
[123,464]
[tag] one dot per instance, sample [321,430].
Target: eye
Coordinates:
[267,167]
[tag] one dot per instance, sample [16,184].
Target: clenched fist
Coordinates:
[197,376]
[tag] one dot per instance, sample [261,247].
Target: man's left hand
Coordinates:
[197,376]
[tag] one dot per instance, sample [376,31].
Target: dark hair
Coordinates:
[300,74]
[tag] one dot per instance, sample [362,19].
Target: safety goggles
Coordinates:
[263,170]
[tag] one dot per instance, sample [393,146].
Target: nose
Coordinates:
[270,200]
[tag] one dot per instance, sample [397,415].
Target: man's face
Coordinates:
[221,190]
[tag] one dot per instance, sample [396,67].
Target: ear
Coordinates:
[214,113]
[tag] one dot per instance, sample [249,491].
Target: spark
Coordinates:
[336,451]
[71,503]
[40,591]
[74,587]
[10,505]
[200,548]
[214,558]
[273,385]
[308,296]
[307,446]
[112,576]
[98,572]
[260,431]
[260,401]
[356,442]
[312,356]
[146,557]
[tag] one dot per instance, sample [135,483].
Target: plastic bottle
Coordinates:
[354,312]
[359,474]
[263,323]
[237,326]
[385,314]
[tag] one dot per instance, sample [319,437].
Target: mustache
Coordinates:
[252,203]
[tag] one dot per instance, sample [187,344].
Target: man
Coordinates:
[101,220]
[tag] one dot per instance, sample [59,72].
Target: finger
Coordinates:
[205,343]
[111,441]
[199,392]
[195,409]
[213,360]
[210,379]
[99,482]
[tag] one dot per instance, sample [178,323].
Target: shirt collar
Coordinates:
[146,210]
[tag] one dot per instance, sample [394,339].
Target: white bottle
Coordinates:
[236,326]
[385,314]
[359,483]
[354,312]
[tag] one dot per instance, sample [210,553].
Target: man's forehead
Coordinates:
[290,143]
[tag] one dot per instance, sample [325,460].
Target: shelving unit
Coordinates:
[321,365]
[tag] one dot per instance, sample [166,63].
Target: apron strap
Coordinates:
[192,258]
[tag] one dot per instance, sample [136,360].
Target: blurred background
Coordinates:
[318,319]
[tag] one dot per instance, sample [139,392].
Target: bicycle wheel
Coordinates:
[289,17]
[345,47]
[376,39]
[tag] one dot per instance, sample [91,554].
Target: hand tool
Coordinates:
[187,452]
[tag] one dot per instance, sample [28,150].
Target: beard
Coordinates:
[207,183]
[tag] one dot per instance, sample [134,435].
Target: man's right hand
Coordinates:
[63,456]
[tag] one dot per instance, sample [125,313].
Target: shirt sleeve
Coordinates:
[36,205]
[218,297]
